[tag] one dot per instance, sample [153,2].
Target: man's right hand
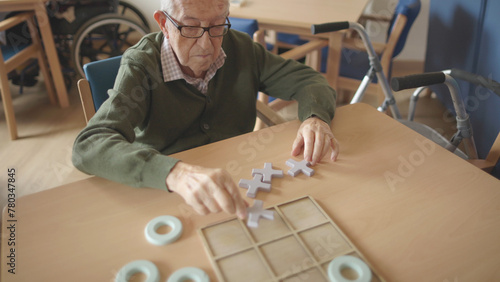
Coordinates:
[207,190]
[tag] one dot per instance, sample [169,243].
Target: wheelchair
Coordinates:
[90,30]
[84,31]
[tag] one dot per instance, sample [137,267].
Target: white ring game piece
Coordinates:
[189,273]
[162,239]
[339,263]
[139,266]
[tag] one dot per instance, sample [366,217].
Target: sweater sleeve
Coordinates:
[292,80]
[106,145]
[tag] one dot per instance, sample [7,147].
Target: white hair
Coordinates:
[168,6]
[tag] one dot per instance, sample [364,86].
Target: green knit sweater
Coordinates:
[145,119]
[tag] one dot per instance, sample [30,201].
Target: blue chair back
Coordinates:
[354,63]
[409,8]
[8,51]
[101,76]
[289,38]
[248,26]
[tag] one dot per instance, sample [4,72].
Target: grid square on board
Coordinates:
[286,256]
[325,242]
[270,229]
[313,274]
[302,213]
[288,261]
[226,238]
[246,266]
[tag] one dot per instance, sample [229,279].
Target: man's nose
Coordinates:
[205,40]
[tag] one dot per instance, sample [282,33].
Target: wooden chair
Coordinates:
[86,98]
[491,159]
[11,58]
[311,49]
[354,59]
[100,76]
[288,41]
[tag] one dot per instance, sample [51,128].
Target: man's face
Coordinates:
[195,55]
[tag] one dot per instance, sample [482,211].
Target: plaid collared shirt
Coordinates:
[172,70]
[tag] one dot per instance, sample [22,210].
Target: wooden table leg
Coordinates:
[7,102]
[50,51]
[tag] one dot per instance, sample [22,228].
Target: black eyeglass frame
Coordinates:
[205,29]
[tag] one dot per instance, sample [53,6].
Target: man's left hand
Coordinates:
[315,139]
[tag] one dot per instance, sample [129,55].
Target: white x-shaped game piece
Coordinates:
[254,185]
[267,172]
[297,167]
[255,212]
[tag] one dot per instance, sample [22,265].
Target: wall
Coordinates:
[416,43]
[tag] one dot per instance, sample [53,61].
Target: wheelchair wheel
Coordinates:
[104,36]
[128,10]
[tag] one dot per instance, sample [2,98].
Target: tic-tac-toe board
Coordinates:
[297,245]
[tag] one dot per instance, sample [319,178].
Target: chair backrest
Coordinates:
[248,26]
[15,38]
[403,18]
[101,76]
[411,9]
[494,154]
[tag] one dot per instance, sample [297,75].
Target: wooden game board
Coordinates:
[297,245]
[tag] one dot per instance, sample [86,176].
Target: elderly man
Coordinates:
[193,83]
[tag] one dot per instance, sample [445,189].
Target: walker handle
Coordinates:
[477,80]
[417,80]
[329,27]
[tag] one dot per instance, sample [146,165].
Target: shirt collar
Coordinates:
[172,69]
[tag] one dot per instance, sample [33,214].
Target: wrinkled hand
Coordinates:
[207,190]
[315,138]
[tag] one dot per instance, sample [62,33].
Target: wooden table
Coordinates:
[416,211]
[47,38]
[297,17]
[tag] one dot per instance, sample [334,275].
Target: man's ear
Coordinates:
[161,20]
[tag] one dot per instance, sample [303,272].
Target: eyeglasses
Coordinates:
[198,31]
